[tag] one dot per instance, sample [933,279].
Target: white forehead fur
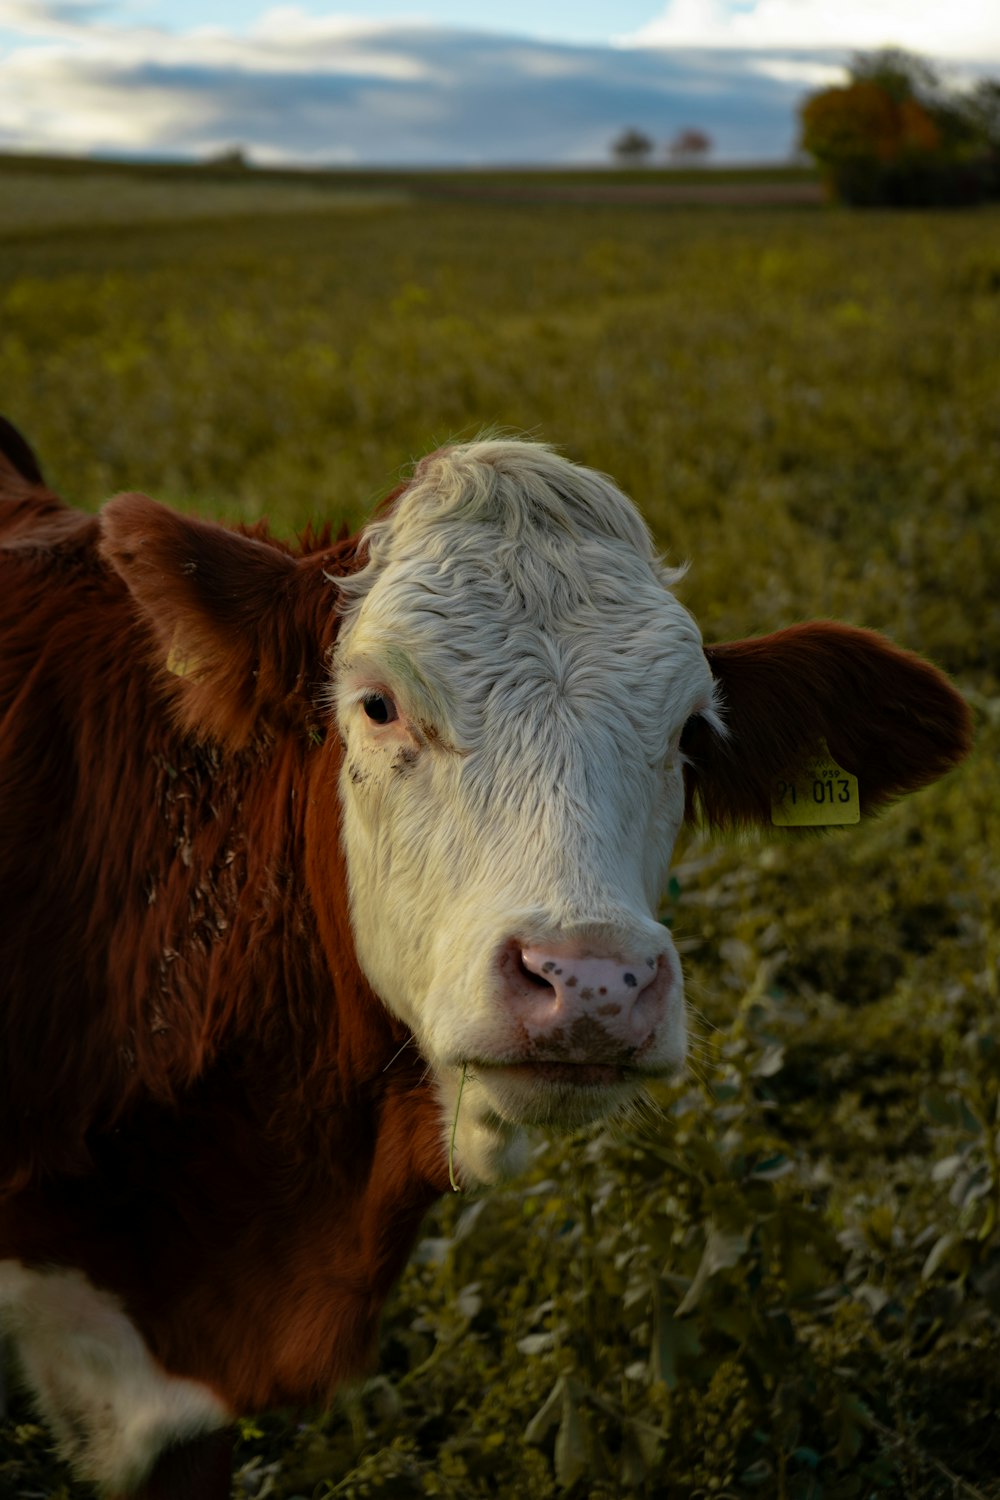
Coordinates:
[536,548]
[519,491]
[514,486]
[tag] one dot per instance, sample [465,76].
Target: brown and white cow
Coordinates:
[294,842]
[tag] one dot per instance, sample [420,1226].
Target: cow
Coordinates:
[328,870]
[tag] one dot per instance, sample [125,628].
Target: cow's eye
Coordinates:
[380,708]
[692,731]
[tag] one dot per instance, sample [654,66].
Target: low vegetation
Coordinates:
[783,1279]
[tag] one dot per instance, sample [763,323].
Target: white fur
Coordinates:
[111,1407]
[531,787]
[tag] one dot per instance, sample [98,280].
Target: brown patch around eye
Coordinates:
[433,736]
[405,758]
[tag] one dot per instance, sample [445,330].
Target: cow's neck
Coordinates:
[313,1142]
[256,939]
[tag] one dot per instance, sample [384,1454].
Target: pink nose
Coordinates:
[552,989]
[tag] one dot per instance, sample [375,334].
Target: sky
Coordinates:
[436,82]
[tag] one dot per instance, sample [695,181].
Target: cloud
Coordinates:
[45,17]
[803,72]
[960,29]
[313,89]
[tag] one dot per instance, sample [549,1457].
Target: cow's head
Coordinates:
[527,713]
[512,680]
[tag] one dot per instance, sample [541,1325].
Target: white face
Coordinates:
[511,683]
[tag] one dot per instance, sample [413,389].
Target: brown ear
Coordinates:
[886,715]
[16,451]
[239,626]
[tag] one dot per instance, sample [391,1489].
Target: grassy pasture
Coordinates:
[38,202]
[805,405]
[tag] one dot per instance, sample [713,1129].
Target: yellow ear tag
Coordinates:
[821,795]
[178,662]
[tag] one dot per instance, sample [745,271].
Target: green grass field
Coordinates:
[806,405]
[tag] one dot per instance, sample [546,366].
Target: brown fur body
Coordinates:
[200,1111]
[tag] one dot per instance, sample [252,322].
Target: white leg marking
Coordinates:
[110,1406]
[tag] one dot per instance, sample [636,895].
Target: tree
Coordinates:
[233,158]
[893,134]
[632,148]
[689,147]
[901,75]
[983,109]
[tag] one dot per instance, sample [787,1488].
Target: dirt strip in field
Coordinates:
[749,193]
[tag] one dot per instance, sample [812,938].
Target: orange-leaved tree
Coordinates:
[893,135]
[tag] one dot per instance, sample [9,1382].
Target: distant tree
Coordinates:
[632,148]
[689,147]
[233,158]
[982,106]
[982,114]
[901,75]
[895,135]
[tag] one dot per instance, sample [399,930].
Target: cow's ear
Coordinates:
[239,627]
[17,452]
[885,715]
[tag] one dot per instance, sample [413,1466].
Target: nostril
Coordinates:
[537,979]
